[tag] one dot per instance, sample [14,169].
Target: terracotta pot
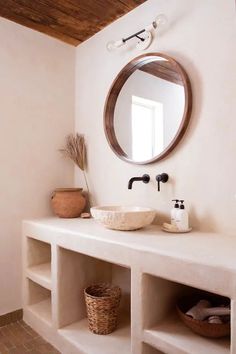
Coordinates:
[68,202]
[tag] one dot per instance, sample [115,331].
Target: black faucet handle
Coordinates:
[163,177]
[146,178]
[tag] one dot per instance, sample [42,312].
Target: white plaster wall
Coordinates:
[36,112]
[201,35]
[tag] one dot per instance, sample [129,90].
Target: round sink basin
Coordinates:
[122,217]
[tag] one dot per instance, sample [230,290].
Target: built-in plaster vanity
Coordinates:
[62,257]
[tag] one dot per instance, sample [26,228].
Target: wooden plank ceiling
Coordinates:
[72,21]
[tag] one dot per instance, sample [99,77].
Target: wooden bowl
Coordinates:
[203,328]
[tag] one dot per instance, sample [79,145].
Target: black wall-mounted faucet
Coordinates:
[163,177]
[145,179]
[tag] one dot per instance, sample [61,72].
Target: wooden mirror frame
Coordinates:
[113,94]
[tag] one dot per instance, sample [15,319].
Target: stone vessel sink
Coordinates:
[122,217]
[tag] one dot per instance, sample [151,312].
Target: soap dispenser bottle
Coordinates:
[174,211]
[182,217]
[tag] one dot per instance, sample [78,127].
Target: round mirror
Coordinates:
[147,109]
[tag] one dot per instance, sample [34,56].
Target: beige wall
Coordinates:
[201,35]
[36,111]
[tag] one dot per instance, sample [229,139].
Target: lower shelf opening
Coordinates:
[39,301]
[163,328]
[76,272]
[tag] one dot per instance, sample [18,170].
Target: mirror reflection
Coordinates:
[149,109]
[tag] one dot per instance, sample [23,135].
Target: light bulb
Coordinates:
[160,20]
[112,45]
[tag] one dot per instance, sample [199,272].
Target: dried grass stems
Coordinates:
[75,150]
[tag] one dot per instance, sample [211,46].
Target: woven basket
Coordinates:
[102,303]
[203,328]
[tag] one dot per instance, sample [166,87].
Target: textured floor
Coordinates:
[19,338]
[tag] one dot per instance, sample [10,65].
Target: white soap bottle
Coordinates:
[182,217]
[174,211]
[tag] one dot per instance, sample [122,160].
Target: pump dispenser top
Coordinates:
[176,203]
[182,222]
[174,211]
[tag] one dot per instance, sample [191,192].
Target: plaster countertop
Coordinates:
[209,249]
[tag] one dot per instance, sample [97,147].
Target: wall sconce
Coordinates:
[144,36]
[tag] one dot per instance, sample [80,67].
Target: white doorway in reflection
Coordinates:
[147,128]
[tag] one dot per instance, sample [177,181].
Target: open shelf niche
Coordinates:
[77,271]
[38,267]
[162,327]
[39,301]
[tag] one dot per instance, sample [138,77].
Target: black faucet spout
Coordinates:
[145,179]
